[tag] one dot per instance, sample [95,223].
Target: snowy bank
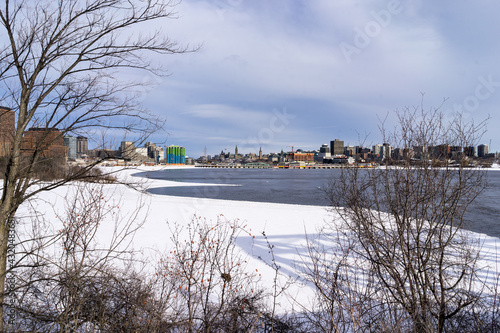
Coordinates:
[285,227]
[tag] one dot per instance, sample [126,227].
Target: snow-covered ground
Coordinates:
[285,225]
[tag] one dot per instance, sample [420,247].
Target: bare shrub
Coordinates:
[214,290]
[68,279]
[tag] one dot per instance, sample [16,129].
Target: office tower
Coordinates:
[337,147]
[70,142]
[482,150]
[470,151]
[82,146]
[127,150]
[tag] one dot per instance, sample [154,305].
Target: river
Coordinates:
[303,187]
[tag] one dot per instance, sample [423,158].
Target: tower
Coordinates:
[82,146]
[236,151]
[482,150]
[71,143]
[260,153]
[337,147]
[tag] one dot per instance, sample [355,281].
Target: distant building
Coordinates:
[7,130]
[456,152]
[470,151]
[364,153]
[48,142]
[324,152]
[337,147]
[351,150]
[71,143]
[141,153]
[482,150]
[386,152]
[175,155]
[377,150]
[398,154]
[82,147]
[421,152]
[301,156]
[127,150]
[441,151]
[154,152]
[103,153]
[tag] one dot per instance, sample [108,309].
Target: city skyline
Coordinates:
[478,150]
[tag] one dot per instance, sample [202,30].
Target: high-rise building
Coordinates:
[70,142]
[421,152]
[377,150]
[154,152]
[441,151]
[175,155]
[82,146]
[324,153]
[386,152]
[482,150]
[7,130]
[470,151]
[127,150]
[337,147]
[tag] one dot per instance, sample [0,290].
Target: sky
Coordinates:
[300,73]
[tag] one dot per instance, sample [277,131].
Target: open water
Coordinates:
[302,187]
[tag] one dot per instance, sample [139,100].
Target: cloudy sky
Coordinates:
[282,73]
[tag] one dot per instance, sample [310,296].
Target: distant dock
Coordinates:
[267,166]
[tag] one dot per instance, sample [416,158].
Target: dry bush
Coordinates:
[215,292]
[67,279]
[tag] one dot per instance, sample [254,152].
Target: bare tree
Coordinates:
[407,220]
[60,64]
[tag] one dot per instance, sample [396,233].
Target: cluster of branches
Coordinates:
[401,259]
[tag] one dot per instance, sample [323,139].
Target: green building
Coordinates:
[175,155]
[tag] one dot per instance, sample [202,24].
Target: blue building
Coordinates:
[175,155]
